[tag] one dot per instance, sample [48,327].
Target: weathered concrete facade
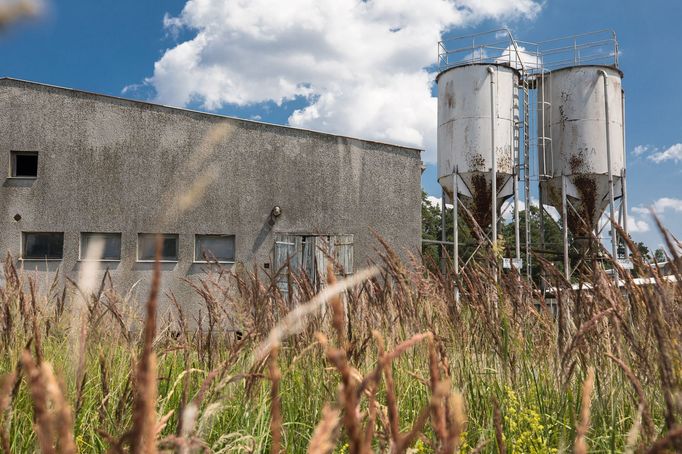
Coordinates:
[113,165]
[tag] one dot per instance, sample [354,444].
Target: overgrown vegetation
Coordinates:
[385,361]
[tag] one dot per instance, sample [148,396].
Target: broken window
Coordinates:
[212,248]
[309,255]
[146,247]
[24,164]
[100,246]
[43,245]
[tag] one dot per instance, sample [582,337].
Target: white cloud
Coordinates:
[636,224]
[673,153]
[660,206]
[637,221]
[514,57]
[667,203]
[435,201]
[359,64]
[639,150]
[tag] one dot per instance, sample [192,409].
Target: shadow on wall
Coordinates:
[19,182]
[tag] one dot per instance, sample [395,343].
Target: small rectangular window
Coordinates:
[146,247]
[24,164]
[43,245]
[212,248]
[105,246]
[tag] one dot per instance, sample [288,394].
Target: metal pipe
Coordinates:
[493,170]
[455,221]
[623,172]
[614,236]
[564,219]
[541,233]
[443,234]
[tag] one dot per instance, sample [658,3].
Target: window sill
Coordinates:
[31,259]
[153,261]
[22,178]
[221,262]
[99,260]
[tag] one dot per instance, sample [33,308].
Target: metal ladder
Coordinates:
[526,169]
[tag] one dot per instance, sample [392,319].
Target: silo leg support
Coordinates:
[564,220]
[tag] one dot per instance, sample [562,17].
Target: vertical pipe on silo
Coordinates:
[623,172]
[614,238]
[493,170]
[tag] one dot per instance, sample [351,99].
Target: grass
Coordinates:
[393,364]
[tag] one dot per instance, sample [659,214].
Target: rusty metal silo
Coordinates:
[477,119]
[582,156]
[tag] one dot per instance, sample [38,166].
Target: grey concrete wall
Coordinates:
[113,165]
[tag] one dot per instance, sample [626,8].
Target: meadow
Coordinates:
[386,360]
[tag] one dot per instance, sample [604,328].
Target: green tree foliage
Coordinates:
[552,249]
[432,230]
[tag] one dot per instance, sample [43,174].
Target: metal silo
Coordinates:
[581,154]
[477,113]
[480,133]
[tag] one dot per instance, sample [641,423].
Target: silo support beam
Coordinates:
[564,220]
[443,233]
[455,222]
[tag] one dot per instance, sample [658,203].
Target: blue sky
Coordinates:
[287,62]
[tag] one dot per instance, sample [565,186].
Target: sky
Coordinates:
[351,67]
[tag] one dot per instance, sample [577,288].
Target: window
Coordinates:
[105,246]
[24,164]
[43,245]
[214,248]
[146,247]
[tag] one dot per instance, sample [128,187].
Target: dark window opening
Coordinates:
[212,248]
[43,245]
[146,247]
[101,246]
[24,164]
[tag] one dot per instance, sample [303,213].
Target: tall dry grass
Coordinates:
[385,361]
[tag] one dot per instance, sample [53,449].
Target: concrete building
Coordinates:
[84,166]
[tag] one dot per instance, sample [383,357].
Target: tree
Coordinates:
[553,244]
[643,251]
[432,230]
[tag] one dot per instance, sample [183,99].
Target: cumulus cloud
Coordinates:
[636,224]
[673,153]
[660,206]
[639,150]
[360,65]
[637,221]
[520,57]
